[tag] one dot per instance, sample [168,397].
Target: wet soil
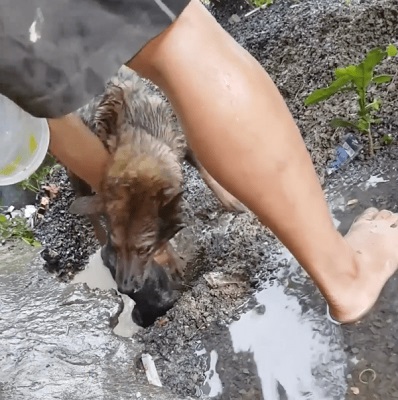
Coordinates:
[299,44]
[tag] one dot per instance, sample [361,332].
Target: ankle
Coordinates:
[335,270]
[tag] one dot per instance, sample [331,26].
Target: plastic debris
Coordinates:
[29,211]
[150,370]
[346,152]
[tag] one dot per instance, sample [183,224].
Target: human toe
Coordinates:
[368,215]
[385,215]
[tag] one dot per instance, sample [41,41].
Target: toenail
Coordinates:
[330,318]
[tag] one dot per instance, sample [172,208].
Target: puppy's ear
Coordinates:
[170,218]
[87,205]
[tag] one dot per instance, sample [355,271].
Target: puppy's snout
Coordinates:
[129,274]
[130,284]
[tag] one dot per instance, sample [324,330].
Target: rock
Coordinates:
[234,19]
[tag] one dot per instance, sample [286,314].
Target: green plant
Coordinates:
[34,182]
[358,78]
[261,3]
[16,228]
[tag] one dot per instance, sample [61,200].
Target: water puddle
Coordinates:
[97,276]
[298,353]
[212,384]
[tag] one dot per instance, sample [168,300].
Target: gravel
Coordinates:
[299,43]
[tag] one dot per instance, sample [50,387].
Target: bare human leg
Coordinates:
[241,130]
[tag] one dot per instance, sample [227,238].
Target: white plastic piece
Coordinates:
[150,370]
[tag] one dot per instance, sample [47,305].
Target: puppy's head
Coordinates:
[141,201]
[154,298]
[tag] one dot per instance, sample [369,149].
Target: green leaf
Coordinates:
[363,125]
[350,71]
[375,105]
[342,123]
[3,218]
[364,71]
[391,50]
[324,93]
[382,79]
[387,139]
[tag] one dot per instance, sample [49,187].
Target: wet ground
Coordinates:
[56,340]
[72,341]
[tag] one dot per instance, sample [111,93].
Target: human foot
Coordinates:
[374,239]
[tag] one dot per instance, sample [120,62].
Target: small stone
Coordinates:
[352,202]
[354,390]
[260,309]
[234,19]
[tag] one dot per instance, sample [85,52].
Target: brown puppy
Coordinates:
[141,193]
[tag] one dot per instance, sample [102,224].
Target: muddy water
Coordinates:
[97,276]
[297,352]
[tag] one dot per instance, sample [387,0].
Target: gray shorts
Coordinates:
[56,55]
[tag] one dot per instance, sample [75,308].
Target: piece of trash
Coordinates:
[371,373]
[29,211]
[52,190]
[16,213]
[150,370]
[44,201]
[352,202]
[219,279]
[354,390]
[346,152]
[373,181]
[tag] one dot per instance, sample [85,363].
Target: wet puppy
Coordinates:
[141,192]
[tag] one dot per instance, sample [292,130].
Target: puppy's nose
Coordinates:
[129,285]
